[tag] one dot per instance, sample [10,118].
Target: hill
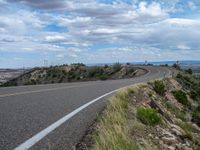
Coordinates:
[75,72]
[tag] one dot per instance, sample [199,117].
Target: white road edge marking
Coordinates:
[36,138]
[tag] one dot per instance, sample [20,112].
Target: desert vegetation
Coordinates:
[159,87]
[159,115]
[148,116]
[75,72]
[191,84]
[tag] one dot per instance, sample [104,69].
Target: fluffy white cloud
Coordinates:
[54,38]
[153,9]
[74,28]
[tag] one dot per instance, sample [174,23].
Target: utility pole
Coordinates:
[145,62]
[45,62]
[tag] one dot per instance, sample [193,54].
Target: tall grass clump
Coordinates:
[178,113]
[112,133]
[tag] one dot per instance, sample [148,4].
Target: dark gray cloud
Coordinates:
[42,4]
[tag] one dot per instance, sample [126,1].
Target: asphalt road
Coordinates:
[27,110]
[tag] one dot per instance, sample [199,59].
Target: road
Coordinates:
[32,116]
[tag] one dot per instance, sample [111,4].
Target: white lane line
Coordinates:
[36,138]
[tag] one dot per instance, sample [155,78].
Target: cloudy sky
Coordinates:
[97,31]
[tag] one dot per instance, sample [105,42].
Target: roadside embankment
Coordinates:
[162,114]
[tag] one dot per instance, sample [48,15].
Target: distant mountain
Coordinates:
[184,62]
[8,74]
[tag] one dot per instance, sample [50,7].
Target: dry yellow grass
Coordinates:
[112,129]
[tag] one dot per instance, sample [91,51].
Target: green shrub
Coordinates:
[196,118]
[198,108]
[54,75]
[189,71]
[190,82]
[116,67]
[64,72]
[179,76]
[71,75]
[103,77]
[176,66]
[130,91]
[148,116]
[193,94]
[95,71]
[181,97]
[159,87]
[106,66]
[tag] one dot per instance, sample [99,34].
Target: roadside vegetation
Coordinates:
[113,133]
[181,97]
[159,87]
[155,116]
[148,116]
[191,84]
[75,72]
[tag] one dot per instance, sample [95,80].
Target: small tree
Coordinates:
[176,66]
[159,87]
[189,71]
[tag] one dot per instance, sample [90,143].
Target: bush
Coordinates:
[159,87]
[181,97]
[116,67]
[176,66]
[103,77]
[189,71]
[193,94]
[198,108]
[148,116]
[106,66]
[95,71]
[196,118]
[179,76]
[190,82]
[130,91]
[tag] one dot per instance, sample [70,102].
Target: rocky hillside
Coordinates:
[160,115]
[75,72]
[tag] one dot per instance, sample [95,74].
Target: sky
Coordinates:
[97,31]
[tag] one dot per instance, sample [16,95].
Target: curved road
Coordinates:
[56,116]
